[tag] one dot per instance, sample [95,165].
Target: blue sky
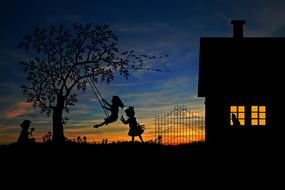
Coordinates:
[148,26]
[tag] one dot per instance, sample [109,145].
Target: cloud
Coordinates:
[19,109]
[156,36]
[7,56]
[264,18]
[15,113]
[269,18]
[139,28]
[8,127]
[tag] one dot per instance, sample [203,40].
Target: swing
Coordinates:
[97,93]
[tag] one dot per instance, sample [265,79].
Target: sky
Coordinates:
[154,27]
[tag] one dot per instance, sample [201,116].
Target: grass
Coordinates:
[127,156]
[148,152]
[149,161]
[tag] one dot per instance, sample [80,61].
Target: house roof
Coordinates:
[244,66]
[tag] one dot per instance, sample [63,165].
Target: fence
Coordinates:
[179,126]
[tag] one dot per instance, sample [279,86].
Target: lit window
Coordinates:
[258,115]
[239,113]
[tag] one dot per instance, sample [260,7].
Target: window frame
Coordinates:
[239,112]
[258,115]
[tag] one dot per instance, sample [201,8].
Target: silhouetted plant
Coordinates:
[47,138]
[150,142]
[159,139]
[84,139]
[64,60]
[79,140]
[104,141]
[32,139]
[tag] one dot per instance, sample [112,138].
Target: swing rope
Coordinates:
[97,93]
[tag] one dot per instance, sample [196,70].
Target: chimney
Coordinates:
[238,28]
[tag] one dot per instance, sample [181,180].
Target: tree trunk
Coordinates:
[58,134]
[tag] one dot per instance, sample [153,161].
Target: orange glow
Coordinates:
[240,108]
[262,109]
[258,115]
[262,115]
[254,122]
[114,132]
[23,104]
[254,108]
[262,122]
[254,115]
[233,108]
[20,108]
[241,115]
[239,111]
[15,113]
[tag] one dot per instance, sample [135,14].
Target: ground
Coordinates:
[132,152]
[141,163]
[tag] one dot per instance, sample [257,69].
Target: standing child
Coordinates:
[114,108]
[135,128]
[24,135]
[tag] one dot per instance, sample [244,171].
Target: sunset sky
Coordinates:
[154,27]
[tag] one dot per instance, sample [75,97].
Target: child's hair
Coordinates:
[25,124]
[117,101]
[130,111]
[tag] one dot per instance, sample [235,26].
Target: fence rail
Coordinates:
[179,126]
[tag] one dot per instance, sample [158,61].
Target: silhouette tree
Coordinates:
[64,60]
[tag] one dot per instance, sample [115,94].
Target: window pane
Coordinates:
[233,109]
[254,122]
[262,109]
[240,108]
[239,112]
[254,108]
[262,115]
[262,122]
[241,115]
[254,115]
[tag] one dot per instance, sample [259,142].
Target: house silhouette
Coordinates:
[240,78]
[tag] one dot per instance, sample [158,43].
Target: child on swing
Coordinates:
[114,108]
[135,128]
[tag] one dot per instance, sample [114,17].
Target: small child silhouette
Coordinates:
[114,108]
[24,135]
[135,128]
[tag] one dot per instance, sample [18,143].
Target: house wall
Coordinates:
[219,130]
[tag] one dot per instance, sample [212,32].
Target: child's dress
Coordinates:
[135,128]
